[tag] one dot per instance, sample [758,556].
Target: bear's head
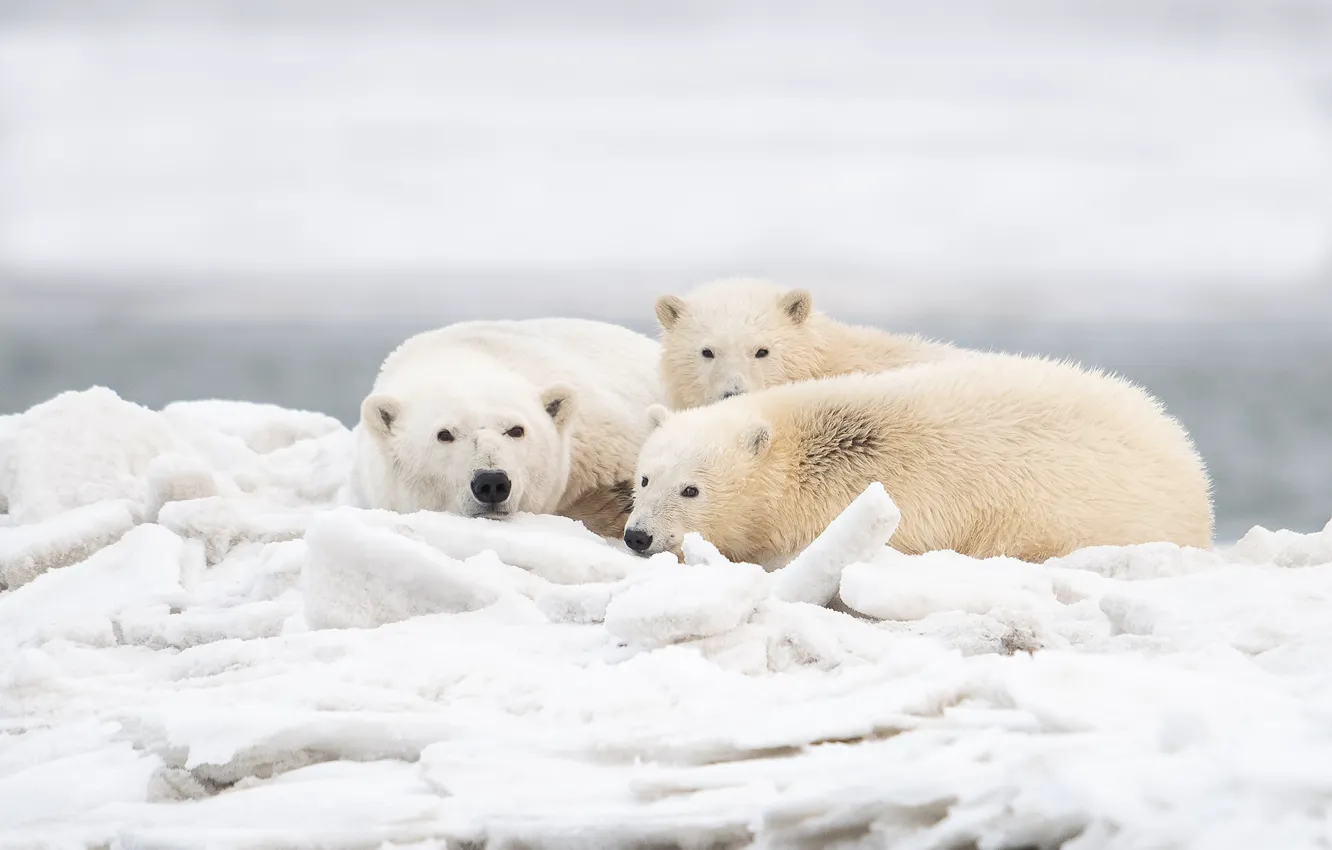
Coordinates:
[700,470]
[731,337]
[480,449]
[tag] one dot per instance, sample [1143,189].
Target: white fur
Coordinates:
[985,455]
[740,335]
[577,388]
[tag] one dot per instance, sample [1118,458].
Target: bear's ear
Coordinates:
[670,309]
[757,438]
[656,414]
[796,305]
[559,401]
[379,412]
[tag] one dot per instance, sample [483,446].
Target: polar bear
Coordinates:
[490,418]
[739,335]
[987,455]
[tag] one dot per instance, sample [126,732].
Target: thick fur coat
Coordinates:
[985,455]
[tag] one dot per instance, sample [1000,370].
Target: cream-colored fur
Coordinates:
[986,455]
[578,389]
[736,320]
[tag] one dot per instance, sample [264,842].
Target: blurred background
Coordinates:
[257,200]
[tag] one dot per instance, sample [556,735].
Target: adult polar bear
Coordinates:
[739,335]
[490,418]
[986,455]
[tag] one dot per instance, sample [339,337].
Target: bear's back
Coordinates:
[1040,447]
[842,348]
[984,390]
[581,352]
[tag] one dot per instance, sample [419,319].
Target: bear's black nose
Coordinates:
[637,539]
[491,486]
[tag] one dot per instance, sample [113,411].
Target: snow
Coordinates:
[200,646]
[684,602]
[359,576]
[27,551]
[54,465]
[859,534]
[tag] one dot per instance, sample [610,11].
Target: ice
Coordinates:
[8,427]
[1285,548]
[177,478]
[686,601]
[221,524]
[360,576]
[78,449]
[111,774]
[1142,561]
[200,647]
[554,548]
[902,587]
[263,428]
[80,602]
[27,551]
[859,533]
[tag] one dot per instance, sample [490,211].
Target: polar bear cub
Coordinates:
[740,335]
[490,418]
[986,455]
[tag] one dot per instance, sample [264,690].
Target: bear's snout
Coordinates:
[637,539]
[491,486]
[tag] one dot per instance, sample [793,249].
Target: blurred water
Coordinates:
[1257,397]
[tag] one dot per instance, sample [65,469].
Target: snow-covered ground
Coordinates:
[198,647]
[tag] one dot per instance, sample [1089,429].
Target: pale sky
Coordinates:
[1033,149]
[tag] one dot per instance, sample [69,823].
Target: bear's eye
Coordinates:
[761,353]
[444,436]
[689,492]
[707,353]
[644,482]
[516,432]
